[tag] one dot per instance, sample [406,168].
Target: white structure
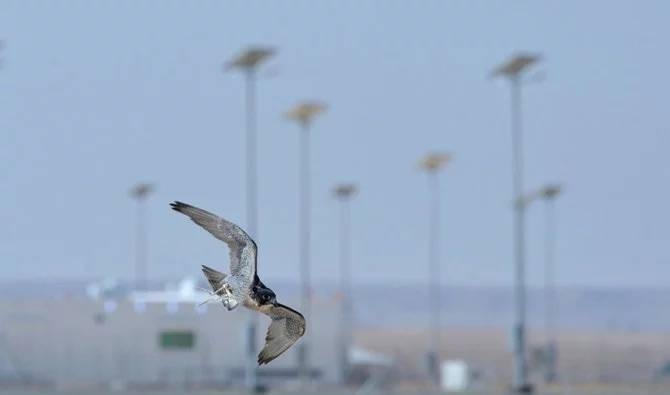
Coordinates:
[455,376]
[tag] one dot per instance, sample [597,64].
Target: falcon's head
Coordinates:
[265,296]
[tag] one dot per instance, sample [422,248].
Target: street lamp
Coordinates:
[549,195]
[304,113]
[344,193]
[248,61]
[432,163]
[550,350]
[513,70]
[140,192]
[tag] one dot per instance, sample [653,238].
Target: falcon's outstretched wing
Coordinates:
[286,328]
[242,247]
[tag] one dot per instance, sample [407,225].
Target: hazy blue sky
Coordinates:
[95,96]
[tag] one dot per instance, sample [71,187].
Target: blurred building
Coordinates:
[144,340]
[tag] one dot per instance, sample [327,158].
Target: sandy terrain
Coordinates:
[585,357]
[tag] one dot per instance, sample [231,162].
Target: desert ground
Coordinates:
[585,357]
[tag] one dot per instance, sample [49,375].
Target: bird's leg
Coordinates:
[226,298]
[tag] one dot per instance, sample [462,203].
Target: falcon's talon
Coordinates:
[229,303]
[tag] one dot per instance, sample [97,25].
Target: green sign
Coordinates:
[177,340]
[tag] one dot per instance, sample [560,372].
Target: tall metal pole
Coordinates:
[141,246]
[549,270]
[303,114]
[550,193]
[252,173]
[345,287]
[549,373]
[521,364]
[513,70]
[305,275]
[248,61]
[251,376]
[344,193]
[434,270]
[432,163]
[140,193]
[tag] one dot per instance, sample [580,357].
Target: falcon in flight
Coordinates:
[242,285]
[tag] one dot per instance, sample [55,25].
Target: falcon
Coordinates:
[243,285]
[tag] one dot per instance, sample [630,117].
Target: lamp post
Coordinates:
[140,192]
[344,193]
[550,350]
[549,194]
[248,61]
[513,70]
[304,113]
[432,163]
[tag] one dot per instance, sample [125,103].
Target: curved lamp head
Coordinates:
[515,65]
[344,191]
[250,58]
[551,191]
[304,112]
[140,191]
[434,161]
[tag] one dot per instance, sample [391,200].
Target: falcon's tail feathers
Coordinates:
[214,277]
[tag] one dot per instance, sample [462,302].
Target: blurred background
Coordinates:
[459,196]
